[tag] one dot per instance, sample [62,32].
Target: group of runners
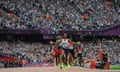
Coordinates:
[64,53]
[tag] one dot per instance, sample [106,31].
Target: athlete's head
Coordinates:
[65,35]
[51,42]
[78,43]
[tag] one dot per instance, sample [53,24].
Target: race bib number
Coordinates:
[64,45]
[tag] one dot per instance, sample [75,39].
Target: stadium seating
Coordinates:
[59,14]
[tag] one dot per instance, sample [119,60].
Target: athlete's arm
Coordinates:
[58,42]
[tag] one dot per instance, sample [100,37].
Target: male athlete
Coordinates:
[67,46]
[79,54]
[55,53]
[64,46]
[59,52]
[71,52]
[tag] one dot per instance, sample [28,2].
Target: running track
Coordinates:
[52,69]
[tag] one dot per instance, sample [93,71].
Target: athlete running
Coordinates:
[79,54]
[58,61]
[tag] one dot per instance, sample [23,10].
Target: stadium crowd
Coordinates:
[110,48]
[41,53]
[59,14]
[31,52]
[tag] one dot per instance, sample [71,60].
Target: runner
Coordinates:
[71,53]
[79,54]
[59,51]
[54,54]
[67,45]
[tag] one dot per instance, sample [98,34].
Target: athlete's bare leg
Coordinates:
[54,60]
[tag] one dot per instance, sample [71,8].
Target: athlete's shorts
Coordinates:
[80,55]
[65,50]
[54,56]
[59,51]
[71,51]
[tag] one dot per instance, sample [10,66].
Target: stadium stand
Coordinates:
[60,14]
